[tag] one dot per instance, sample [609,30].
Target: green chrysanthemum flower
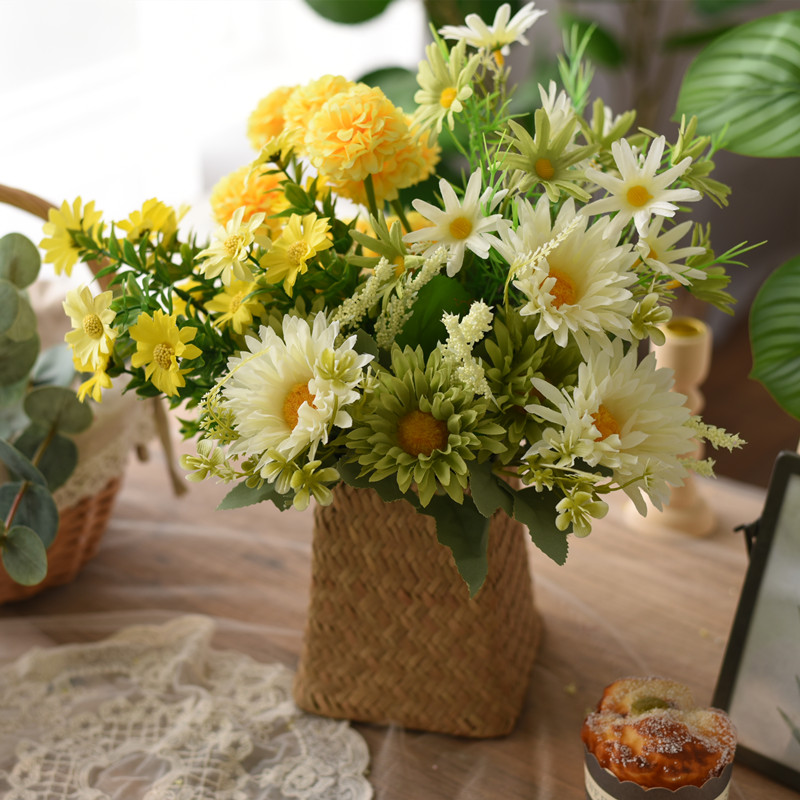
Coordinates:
[418,426]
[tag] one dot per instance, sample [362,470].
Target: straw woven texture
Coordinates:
[392,634]
[82,523]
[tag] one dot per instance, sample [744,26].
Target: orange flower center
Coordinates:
[563,290]
[297,395]
[297,253]
[544,168]
[460,228]
[447,97]
[163,354]
[499,58]
[605,423]
[638,196]
[92,326]
[420,433]
[233,243]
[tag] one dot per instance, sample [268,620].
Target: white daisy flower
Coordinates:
[505,30]
[632,423]
[227,255]
[558,106]
[581,286]
[639,192]
[462,225]
[287,393]
[658,254]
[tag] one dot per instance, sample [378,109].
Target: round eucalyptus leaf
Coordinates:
[59,459]
[25,325]
[17,358]
[24,556]
[57,406]
[9,304]
[54,367]
[19,260]
[36,510]
[348,12]
[19,464]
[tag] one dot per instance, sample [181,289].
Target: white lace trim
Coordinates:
[154,712]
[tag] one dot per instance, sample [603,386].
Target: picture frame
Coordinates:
[759,680]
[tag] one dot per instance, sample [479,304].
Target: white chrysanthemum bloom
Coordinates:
[631,422]
[286,393]
[92,336]
[228,253]
[657,252]
[639,192]
[558,106]
[462,225]
[495,38]
[581,286]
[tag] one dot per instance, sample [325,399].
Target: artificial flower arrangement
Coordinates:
[473,354]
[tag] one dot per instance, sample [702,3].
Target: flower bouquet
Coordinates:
[470,353]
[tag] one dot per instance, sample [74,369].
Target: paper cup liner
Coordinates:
[604,785]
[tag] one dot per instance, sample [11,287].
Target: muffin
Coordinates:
[649,731]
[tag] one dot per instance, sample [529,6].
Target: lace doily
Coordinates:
[155,712]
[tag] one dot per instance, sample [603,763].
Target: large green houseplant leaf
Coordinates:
[746,83]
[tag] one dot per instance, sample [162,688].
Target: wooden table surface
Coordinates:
[627,602]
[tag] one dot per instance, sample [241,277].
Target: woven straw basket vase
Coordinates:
[86,500]
[392,635]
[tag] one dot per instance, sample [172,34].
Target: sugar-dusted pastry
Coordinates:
[649,731]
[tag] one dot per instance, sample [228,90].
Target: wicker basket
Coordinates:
[392,634]
[83,522]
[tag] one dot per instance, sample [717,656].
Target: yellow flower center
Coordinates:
[638,196]
[563,290]
[297,253]
[605,423]
[92,326]
[233,243]
[460,228]
[447,97]
[544,168]
[236,301]
[163,354]
[297,395]
[420,433]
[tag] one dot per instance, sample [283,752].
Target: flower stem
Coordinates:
[401,214]
[370,189]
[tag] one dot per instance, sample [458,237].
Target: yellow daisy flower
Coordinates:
[92,336]
[96,383]
[153,217]
[301,240]
[190,286]
[235,307]
[60,249]
[227,256]
[356,134]
[253,191]
[267,120]
[159,345]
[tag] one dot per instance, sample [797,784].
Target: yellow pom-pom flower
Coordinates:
[59,246]
[306,100]
[267,119]
[254,192]
[159,345]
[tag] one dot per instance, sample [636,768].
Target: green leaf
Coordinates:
[465,531]
[19,260]
[366,344]
[19,464]
[25,324]
[36,510]
[54,367]
[59,459]
[603,48]
[348,12]
[489,491]
[24,556]
[398,84]
[242,495]
[537,510]
[711,7]
[747,82]
[17,358]
[9,304]
[387,489]
[55,406]
[425,325]
[775,336]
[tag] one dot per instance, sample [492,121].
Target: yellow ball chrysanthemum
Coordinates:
[159,345]
[267,119]
[255,192]
[60,249]
[306,100]
[355,134]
